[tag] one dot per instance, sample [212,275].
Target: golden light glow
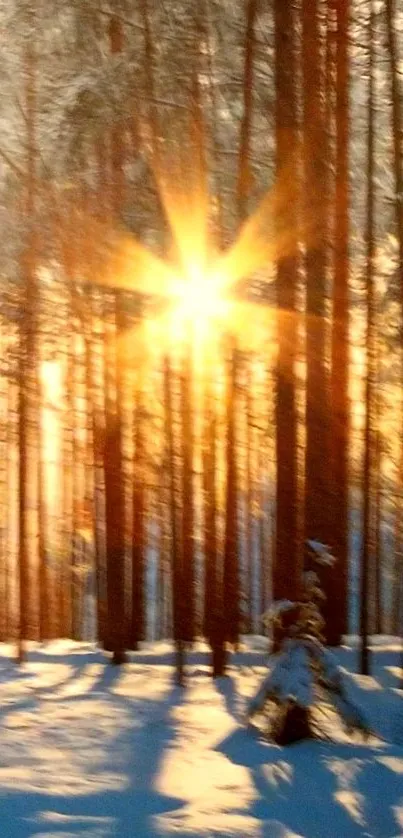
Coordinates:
[200,307]
[197,286]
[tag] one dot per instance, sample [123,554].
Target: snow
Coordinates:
[321,551]
[291,677]
[94,750]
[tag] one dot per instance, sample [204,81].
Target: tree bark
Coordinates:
[178,592]
[244,175]
[336,582]
[317,495]
[288,554]
[116,630]
[27,351]
[139,530]
[367,545]
[397,131]
[188,552]
[231,581]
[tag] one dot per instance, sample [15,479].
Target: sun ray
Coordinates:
[198,290]
[119,260]
[130,265]
[268,236]
[180,172]
[184,196]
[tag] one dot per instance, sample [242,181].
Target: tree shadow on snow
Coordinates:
[135,756]
[317,788]
[226,686]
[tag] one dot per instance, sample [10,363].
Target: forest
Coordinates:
[201,318]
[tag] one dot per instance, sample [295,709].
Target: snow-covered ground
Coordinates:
[92,750]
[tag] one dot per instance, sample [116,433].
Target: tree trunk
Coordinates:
[116,631]
[27,351]
[188,552]
[248,503]
[75,537]
[139,532]
[317,498]
[397,130]
[377,471]
[45,616]
[178,591]
[244,175]
[115,519]
[371,358]
[213,590]
[288,553]
[336,582]
[231,592]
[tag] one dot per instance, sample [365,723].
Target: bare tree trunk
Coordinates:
[336,583]
[44,580]
[288,554]
[231,592]
[265,577]
[188,557]
[397,130]
[397,125]
[377,557]
[213,582]
[116,631]
[162,581]
[249,502]
[116,634]
[5,420]
[244,175]
[317,497]
[371,356]
[178,592]
[27,349]
[205,29]
[139,534]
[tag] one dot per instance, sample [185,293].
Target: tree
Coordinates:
[116,630]
[243,185]
[178,591]
[113,448]
[314,183]
[213,579]
[397,134]
[288,557]
[27,349]
[249,496]
[231,582]
[139,525]
[371,353]
[336,587]
[188,521]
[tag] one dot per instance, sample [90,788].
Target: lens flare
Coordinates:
[199,306]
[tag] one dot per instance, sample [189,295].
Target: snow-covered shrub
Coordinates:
[304,678]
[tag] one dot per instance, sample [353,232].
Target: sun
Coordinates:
[200,309]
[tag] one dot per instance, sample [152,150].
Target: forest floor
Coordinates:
[94,750]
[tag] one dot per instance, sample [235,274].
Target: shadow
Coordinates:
[233,702]
[380,657]
[197,657]
[35,693]
[129,798]
[90,764]
[321,789]
[108,677]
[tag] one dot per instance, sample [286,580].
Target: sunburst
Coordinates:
[198,286]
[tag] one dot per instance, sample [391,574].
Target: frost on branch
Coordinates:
[305,685]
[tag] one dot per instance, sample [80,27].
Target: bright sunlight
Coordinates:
[201,309]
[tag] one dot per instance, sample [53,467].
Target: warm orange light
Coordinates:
[200,306]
